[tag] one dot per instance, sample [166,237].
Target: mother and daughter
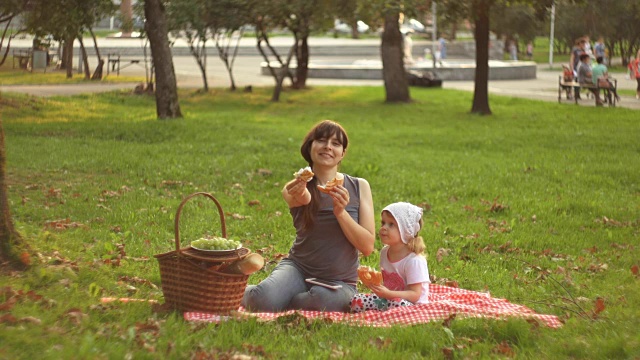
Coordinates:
[331,229]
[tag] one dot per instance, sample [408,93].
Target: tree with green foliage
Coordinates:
[479,11]
[66,21]
[188,19]
[266,17]
[226,22]
[616,21]
[167,104]
[352,11]
[9,10]
[305,16]
[518,23]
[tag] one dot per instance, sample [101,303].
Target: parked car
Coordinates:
[342,27]
[414,25]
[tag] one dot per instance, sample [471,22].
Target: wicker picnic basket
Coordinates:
[189,278]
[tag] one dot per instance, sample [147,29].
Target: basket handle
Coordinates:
[177,221]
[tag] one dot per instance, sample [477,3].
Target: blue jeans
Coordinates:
[285,289]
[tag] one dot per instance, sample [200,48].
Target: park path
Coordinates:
[544,87]
[247,72]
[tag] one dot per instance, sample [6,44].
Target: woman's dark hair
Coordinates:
[322,130]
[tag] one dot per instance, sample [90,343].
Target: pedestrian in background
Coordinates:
[530,50]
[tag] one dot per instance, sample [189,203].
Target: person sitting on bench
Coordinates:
[600,76]
[585,77]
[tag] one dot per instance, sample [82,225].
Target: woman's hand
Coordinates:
[361,234]
[295,193]
[296,187]
[341,199]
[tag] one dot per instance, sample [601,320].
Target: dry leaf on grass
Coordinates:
[598,307]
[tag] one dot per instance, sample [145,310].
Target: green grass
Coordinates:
[11,76]
[539,204]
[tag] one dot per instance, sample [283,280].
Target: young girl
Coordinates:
[404,269]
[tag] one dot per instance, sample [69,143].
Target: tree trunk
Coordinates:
[85,59]
[354,29]
[167,105]
[283,71]
[393,72]
[126,12]
[10,239]
[481,89]
[68,55]
[97,74]
[223,52]
[4,33]
[198,49]
[302,57]
[202,63]
[63,54]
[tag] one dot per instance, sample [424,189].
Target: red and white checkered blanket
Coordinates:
[444,302]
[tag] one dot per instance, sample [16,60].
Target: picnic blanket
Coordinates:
[444,302]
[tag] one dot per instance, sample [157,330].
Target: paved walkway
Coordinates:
[247,72]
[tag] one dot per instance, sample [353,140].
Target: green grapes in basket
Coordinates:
[215,244]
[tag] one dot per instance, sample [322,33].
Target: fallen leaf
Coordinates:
[25,258]
[635,270]
[54,192]
[504,348]
[380,342]
[239,217]
[442,252]
[452,283]
[534,322]
[8,319]
[76,316]
[254,202]
[447,322]
[62,224]
[8,305]
[599,306]
[31,320]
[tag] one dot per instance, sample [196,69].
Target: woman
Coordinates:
[330,231]
[634,67]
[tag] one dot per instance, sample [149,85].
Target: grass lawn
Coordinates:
[538,204]
[11,76]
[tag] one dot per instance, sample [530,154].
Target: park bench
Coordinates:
[23,57]
[569,87]
[115,61]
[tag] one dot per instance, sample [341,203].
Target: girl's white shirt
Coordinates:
[412,269]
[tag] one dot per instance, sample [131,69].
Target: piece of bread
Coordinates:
[369,276]
[247,266]
[305,174]
[337,181]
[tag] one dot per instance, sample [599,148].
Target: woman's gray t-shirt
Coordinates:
[323,251]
